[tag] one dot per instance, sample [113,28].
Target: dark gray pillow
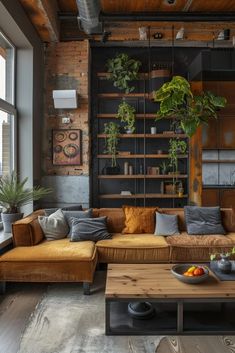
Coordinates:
[203,220]
[49,211]
[166,224]
[89,229]
[76,214]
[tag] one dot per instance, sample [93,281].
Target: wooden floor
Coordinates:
[21,299]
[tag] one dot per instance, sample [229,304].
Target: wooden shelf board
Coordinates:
[142,176]
[138,116]
[218,161]
[142,196]
[159,136]
[140,156]
[120,95]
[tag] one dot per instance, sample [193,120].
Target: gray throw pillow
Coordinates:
[55,226]
[89,229]
[166,224]
[203,220]
[49,211]
[76,214]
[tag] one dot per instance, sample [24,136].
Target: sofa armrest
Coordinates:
[27,231]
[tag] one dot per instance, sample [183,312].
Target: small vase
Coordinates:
[224,264]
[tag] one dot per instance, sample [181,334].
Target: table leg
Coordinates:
[107,317]
[180,317]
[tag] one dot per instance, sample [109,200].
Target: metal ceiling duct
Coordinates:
[88,17]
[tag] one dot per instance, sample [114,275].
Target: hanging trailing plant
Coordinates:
[176,147]
[190,111]
[123,69]
[112,130]
[126,113]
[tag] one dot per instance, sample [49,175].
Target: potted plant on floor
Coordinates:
[111,130]
[190,111]
[126,113]
[13,195]
[123,69]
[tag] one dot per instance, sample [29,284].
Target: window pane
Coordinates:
[7,143]
[6,70]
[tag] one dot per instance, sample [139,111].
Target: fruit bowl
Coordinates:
[179,270]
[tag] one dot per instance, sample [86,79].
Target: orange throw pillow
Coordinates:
[139,219]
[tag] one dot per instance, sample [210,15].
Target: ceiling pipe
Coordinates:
[88,17]
[169,17]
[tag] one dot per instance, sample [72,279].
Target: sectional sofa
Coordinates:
[34,259]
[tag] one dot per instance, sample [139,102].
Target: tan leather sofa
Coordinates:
[34,259]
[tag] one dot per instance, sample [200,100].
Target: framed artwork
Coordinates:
[66,147]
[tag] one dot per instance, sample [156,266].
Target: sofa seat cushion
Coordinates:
[57,261]
[58,250]
[133,248]
[188,248]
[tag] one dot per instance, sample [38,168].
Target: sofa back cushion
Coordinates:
[115,218]
[139,220]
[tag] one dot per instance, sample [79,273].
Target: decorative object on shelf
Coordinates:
[108,170]
[126,168]
[153,170]
[126,113]
[126,193]
[123,69]
[176,147]
[190,111]
[224,263]
[130,169]
[141,169]
[124,153]
[66,146]
[13,195]
[143,33]
[180,190]
[111,141]
[164,167]
[153,130]
[171,187]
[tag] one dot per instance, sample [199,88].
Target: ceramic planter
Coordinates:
[8,219]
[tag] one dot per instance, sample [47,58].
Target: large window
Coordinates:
[7,106]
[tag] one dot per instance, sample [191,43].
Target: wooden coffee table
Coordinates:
[206,308]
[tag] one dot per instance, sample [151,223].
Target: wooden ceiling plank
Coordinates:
[43,14]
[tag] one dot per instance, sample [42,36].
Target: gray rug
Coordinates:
[65,321]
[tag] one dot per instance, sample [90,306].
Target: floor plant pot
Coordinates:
[8,219]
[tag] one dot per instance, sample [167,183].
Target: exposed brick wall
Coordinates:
[66,67]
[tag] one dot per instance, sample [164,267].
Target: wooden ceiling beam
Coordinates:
[43,14]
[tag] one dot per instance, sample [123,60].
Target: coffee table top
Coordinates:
[156,281]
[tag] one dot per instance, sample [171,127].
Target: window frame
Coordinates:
[10,108]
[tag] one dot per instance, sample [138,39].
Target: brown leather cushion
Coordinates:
[115,218]
[139,219]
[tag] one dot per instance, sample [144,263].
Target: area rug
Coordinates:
[66,321]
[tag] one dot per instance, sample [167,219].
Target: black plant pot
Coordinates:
[108,170]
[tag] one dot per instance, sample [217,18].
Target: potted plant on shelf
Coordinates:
[13,195]
[164,167]
[112,130]
[123,69]
[176,147]
[190,111]
[224,263]
[126,113]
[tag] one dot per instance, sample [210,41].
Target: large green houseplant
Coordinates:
[123,69]
[13,195]
[126,113]
[190,111]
